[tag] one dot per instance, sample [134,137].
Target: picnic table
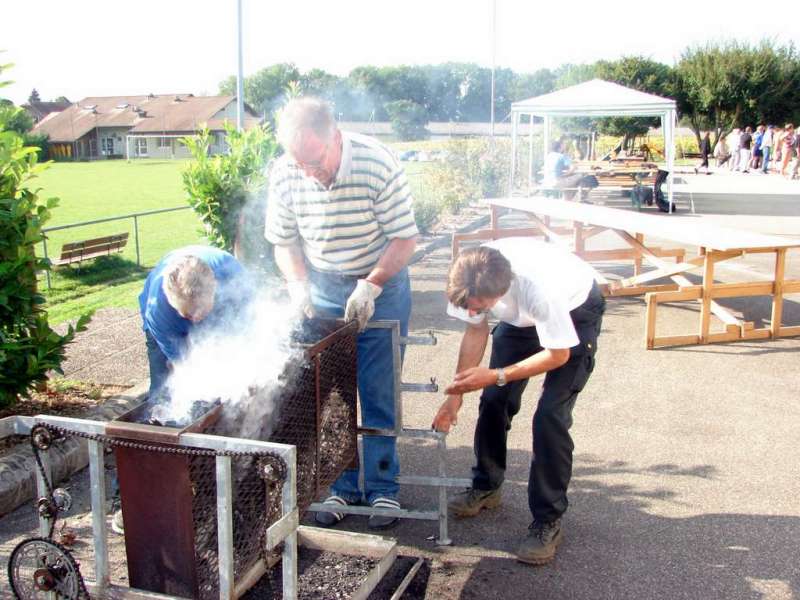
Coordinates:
[715,245]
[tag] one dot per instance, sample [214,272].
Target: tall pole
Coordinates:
[240,70]
[494,46]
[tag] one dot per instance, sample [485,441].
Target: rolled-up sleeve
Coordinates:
[280,227]
[394,206]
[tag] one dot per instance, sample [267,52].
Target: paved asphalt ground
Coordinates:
[686,477]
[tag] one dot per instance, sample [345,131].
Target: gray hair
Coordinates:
[305,114]
[188,280]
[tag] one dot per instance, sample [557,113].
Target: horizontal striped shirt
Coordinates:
[346,228]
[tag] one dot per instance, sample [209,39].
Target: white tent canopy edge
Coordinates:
[595,98]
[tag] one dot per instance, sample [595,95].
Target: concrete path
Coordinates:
[686,473]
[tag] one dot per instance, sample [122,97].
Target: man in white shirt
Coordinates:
[550,311]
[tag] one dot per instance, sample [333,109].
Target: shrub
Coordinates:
[408,119]
[471,169]
[228,189]
[29,348]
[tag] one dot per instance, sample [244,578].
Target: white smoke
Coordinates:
[239,362]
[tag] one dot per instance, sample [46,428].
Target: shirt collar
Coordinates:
[346,164]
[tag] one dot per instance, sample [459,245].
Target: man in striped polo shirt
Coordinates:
[339,214]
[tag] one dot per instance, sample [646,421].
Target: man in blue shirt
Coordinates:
[192,287]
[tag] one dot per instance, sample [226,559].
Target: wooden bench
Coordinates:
[76,252]
[580,222]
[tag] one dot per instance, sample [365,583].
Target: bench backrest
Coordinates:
[96,246]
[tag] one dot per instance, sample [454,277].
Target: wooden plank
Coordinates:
[790,331]
[791,287]
[777,297]
[641,289]
[627,253]
[725,336]
[757,334]
[676,340]
[344,542]
[693,292]
[666,271]
[737,290]
[687,232]
[723,313]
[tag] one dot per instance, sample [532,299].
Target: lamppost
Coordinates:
[240,69]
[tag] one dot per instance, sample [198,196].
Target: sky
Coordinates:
[81,48]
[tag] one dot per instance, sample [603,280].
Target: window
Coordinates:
[164,142]
[107,145]
[92,147]
[141,146]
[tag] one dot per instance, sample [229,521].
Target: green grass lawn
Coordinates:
[96,190]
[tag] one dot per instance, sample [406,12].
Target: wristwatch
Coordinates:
[501,377]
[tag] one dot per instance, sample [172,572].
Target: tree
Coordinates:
[29,348]
[408,119]
[34,97]
[720,86]
[639,73]
[15,119]
[265,89]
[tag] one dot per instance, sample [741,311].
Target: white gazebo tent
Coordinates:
[595,98]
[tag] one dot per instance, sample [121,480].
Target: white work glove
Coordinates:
[300,296]
[361,303]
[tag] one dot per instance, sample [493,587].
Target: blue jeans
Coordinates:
[766,152]
[329,294]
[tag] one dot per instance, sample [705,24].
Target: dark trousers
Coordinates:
[159,369]
[551,465]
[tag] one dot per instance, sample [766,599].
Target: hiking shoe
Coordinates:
[117,525]
[383,522]
[329,519]
[540,546]
[471,501]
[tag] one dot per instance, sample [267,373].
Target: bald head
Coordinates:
[302,116]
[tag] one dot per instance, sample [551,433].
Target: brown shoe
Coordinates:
[471,501]
[540,546]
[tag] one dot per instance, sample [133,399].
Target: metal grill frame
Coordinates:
[282,531]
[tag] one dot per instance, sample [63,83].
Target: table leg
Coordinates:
[637,262]
[708,283]
[777,293]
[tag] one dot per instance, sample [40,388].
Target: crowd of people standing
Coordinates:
[767,149]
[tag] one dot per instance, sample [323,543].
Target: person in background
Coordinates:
[767,141]
[745,146]
[705,151]
[559,174]
[721,151]
[787,148]
[777,147]
[755,162]
[733,145]
[550,311]
[340,216]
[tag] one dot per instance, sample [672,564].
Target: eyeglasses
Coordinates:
[317,165]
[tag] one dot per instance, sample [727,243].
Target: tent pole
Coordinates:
[669,117]
[530,153]
[514,121]
[546,136]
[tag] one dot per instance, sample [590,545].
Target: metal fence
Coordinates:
[134,216]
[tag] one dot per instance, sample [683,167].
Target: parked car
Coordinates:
[409,155]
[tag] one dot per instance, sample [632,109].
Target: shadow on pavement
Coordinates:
[615,545]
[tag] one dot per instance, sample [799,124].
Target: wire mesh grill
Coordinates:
[318,415]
